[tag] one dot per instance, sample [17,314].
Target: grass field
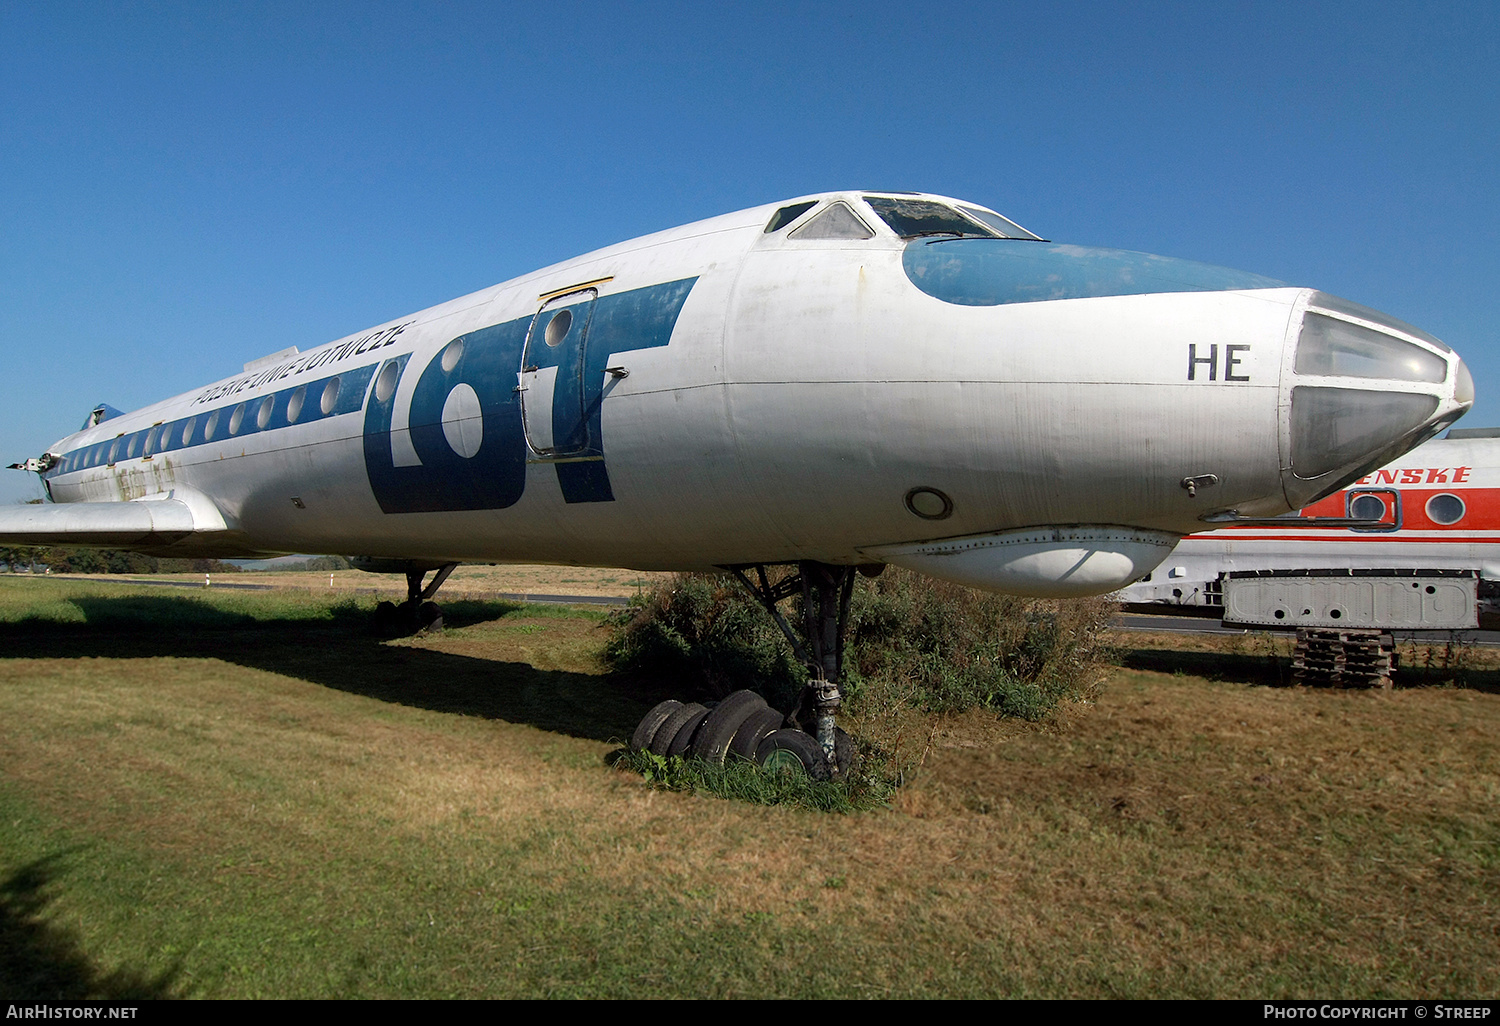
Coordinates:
[246,795]
[467,580]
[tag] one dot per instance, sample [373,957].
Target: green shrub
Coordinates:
[913,642]
[706,636]
[942,647]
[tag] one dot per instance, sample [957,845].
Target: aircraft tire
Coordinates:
[385,620]
[784,751]
[667,732]
[651,723]
[718,730]
[752,732]
[429,618]
[682,744]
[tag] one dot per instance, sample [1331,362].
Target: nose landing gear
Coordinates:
[808,737]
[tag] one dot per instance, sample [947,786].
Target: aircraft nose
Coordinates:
[1365,388]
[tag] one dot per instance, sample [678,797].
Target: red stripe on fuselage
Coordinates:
[1481,513]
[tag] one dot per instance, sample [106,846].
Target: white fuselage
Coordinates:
[724,394]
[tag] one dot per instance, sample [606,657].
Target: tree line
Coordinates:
[38,560]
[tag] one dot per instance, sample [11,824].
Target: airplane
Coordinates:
[1429,547]
[839,381]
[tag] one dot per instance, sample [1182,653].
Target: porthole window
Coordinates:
[212,426]
[385,385]
[151,437]
[929,504]
[330,396]
[1445,509]
[264,416]
[557,327]
[452,353]
[1367,507]
[236,419]
[133,449]
[187,430]
[294,404]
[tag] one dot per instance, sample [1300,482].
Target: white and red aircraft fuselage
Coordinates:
[1434,510]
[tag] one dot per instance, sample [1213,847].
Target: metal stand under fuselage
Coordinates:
[826,590]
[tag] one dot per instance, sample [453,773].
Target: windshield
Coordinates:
[910,218]
[1004,225]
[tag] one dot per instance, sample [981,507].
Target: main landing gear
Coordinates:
[743,725]
[418,614]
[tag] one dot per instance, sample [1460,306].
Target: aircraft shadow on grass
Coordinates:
[1265,669]
[343,653]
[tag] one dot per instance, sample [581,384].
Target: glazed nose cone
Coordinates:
[1365,389]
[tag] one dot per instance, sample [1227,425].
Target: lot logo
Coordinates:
[455,439]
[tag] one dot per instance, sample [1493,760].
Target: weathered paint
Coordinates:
[782,397]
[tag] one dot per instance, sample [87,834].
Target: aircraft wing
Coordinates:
[144,523]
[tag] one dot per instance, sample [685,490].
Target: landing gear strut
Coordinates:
[418,614]
[808,739]
[826,590]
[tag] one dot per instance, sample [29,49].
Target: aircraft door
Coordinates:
[551,378]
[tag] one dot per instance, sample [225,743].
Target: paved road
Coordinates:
[222,585]
[1125,621]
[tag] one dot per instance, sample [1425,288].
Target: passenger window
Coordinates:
[836,222]
[786,215]
[1446,509]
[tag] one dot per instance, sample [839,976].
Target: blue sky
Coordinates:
[184,187]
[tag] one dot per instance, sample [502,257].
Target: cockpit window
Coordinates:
[837,221]
[786,215]
[910,218]
[1004,225]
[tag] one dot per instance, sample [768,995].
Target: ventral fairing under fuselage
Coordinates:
[847,378]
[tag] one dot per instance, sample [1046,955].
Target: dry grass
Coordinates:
[466,581]
[291,809]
